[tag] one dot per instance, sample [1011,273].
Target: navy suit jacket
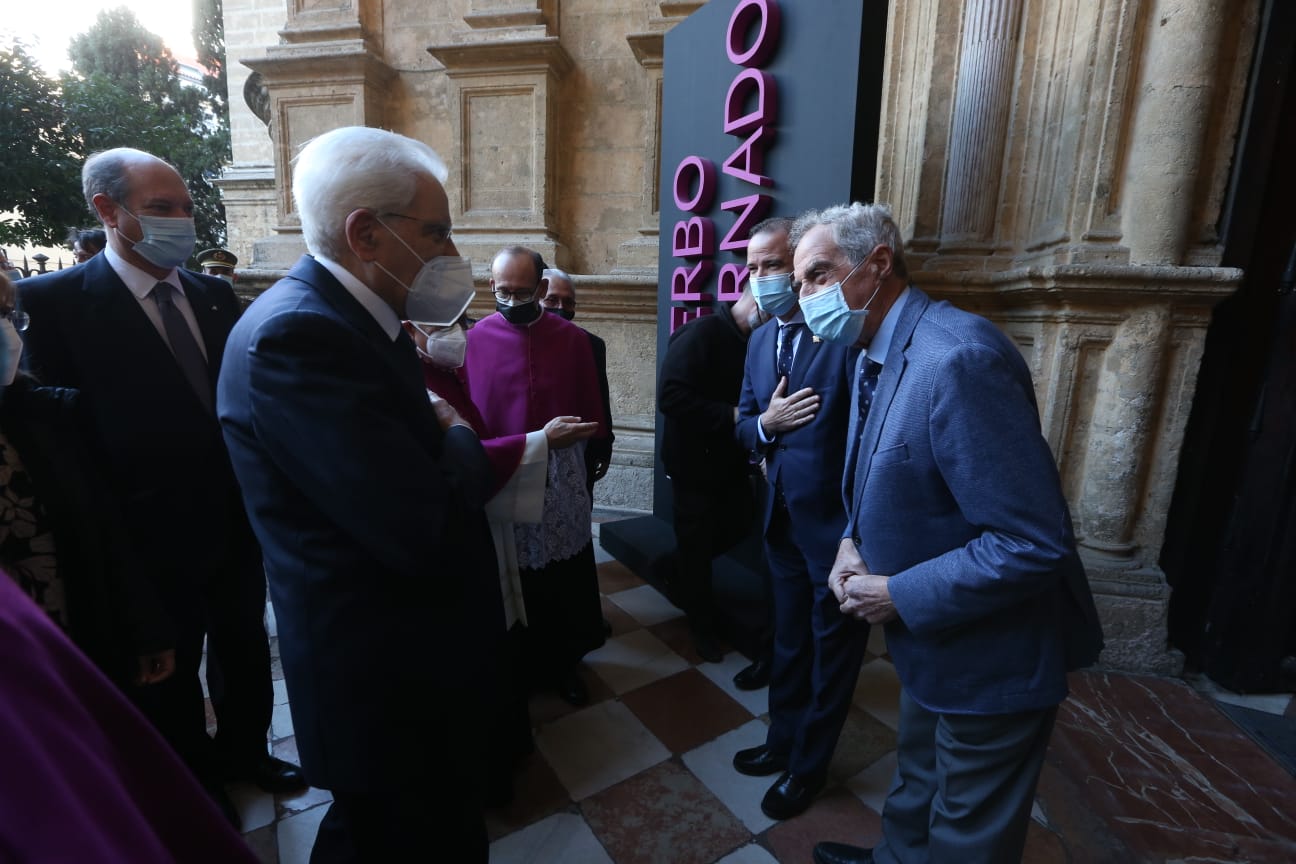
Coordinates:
[955,495]
[380,563]
[808,461]
[161,451]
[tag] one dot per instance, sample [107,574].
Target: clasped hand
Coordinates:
[566,430]
[785,412]
[861,594]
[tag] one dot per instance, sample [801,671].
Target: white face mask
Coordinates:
[168,240]
[11,348]
[445,348]
[441,290]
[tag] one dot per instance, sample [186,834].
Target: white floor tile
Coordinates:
[297,835]
[873,783]
[305,799]
[712,763]
[281,722]
[256,808]
[597,747]
[751,854]
[878,691]
[272,626]
[634,659]
[722,673]
[280,692]
[646,605]
[562,837]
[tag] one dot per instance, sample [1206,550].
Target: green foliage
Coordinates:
[124,90]
[41,173]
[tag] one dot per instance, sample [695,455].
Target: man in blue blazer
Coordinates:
[367,499]
[793,414]
[959,540]
[142,340]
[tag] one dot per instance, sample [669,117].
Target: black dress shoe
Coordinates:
[759,762]
[271,775]
[754,677]
[790,796]
[572,690]
[840,853]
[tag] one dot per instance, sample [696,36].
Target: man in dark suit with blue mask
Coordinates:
[959,540]
[366,496]
[142,338]
[793,415]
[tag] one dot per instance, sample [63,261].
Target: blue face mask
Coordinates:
[829,318]
[774,293]
[168,241]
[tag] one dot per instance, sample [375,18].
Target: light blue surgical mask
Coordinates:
[829,318]
[168,241]
[774,293]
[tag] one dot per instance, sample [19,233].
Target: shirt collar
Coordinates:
[798,318]
[136,280]
[364,295]
[881,344]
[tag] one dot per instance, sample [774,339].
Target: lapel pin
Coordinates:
[815,339]
[215,309]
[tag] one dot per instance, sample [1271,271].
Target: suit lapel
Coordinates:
[893,370]
[207,313]
[110,308]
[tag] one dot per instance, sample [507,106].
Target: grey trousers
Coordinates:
[964,786]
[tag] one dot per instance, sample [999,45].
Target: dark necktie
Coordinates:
[183,344]
[868,380]
[787,350]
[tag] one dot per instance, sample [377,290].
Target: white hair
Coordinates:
[551,272]
[857,229]
[352,168]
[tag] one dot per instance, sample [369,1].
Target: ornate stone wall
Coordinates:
[1058,165]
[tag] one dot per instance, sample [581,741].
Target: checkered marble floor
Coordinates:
[643,774]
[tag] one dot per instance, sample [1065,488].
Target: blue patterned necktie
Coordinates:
[183,344]
[787,350]
[868,380]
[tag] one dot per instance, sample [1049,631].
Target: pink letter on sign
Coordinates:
[681,315]
[694,238]
[766,110]
[754,208]
[687,284]
[695,177]
[765,14]
[730,282]
[748,160]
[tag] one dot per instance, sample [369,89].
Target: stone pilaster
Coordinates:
[1170,128]
[504,77]
[979,128]
[326,74]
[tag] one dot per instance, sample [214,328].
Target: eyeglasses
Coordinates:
[438,231]
[18,318]
[520,295]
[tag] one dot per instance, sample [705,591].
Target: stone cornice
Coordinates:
[648,48]
[1087,283]
[295,65]
[542,54]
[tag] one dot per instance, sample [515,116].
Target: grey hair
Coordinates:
[857,229]
[107,172]
[772,225]
[353,168]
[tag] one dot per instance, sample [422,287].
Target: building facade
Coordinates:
[1060,166]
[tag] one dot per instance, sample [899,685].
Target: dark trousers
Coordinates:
[817,656]
[964,786]
[710,516]
[421,824]
[564,615]
[230,610]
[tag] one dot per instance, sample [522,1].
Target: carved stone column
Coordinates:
[980,124]
[1173,113]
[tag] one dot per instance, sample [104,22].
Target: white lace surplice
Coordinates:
[520,500]
[565,525]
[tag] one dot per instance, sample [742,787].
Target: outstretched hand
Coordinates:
[566,430]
